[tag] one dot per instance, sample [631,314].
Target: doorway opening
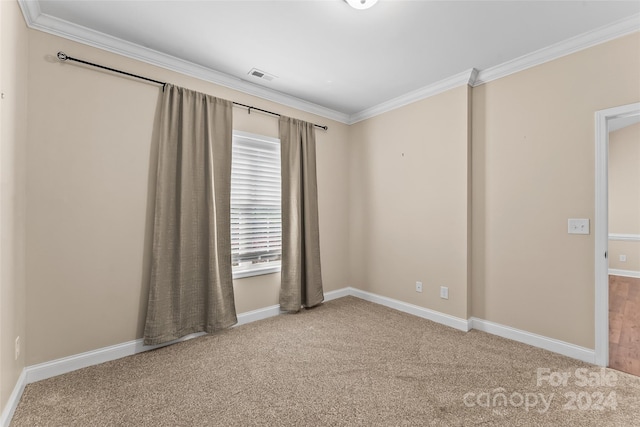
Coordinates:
[607,121]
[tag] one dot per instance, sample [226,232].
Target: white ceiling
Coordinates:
[332,56]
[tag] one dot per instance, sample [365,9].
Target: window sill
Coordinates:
[256,272]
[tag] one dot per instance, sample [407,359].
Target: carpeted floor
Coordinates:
[347,362]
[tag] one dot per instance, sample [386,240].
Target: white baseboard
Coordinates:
[14,398]
[535,340]
[425,313]
[67,364]
[557,346]
[61,366]
[78,361]
[259,314]
[274,310]
[625,273]
[339,293]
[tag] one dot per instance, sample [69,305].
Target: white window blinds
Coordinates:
[256,223]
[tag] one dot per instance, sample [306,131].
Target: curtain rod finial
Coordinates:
[62,56]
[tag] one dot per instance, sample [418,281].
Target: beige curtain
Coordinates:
[191,288]
[301,274]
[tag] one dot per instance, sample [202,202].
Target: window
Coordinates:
[256,221]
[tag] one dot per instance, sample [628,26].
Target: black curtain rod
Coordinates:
[64,57]
[249,107]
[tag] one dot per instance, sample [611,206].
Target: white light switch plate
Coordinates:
[578,226]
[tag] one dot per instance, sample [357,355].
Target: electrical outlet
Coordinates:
[444,292]
[623,258]
[17,347]
[418,286]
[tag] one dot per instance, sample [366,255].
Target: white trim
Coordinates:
[67,364]
[37,20]
[601,235]
[64,365]
[259,314]
[601,230]
[575,44]
[243,274]
[78,361]
[624,237]
[82,360]
[255,137]
[58,27]
[624,273]
[30,10]
[425,313]
[535,340]
[274,310]
[14,399]
[338,293]
[464,78]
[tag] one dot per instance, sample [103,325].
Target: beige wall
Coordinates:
[90,138]
[409,202]
[398,193]
[624,196]
[630,249]
[13,134]
[533,168]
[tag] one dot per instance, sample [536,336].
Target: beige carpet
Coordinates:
[347,362]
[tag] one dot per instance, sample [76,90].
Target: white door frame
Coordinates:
[601,230]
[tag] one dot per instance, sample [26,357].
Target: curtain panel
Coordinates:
[301,284]
[191,288]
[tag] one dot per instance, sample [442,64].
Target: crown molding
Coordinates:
[473,77]
[37,20]
[30,11]
[464,78]
[583,41]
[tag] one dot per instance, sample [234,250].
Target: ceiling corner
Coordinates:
[463,78]
[37,20]
[586,40]
[30,10]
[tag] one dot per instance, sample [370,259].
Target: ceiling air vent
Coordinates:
[261,74]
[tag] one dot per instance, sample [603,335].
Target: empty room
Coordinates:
[319,213]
